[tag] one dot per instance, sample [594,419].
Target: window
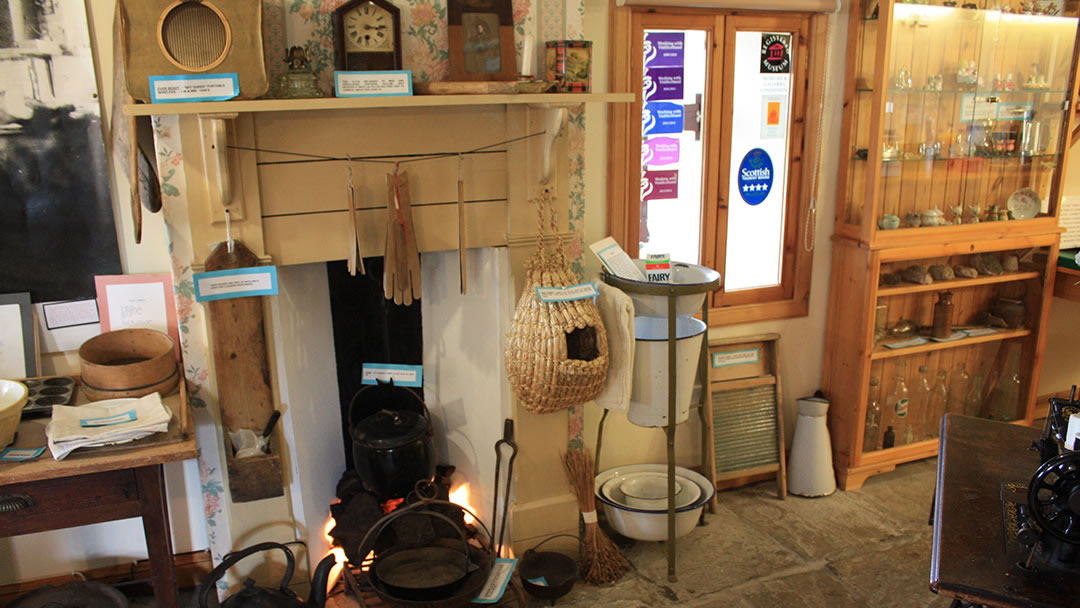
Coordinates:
[719,170]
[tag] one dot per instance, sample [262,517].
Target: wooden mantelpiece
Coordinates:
[293,211]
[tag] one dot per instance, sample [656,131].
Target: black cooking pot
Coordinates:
[392,446]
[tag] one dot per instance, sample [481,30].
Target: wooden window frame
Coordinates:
[792,298]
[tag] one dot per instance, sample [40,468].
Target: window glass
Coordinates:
[672,148]
[757,186]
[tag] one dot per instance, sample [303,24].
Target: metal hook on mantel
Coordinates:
[556,121]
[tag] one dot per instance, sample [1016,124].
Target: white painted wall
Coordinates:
[803,340]
[465,384]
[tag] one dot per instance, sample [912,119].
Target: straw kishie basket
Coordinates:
[556,352]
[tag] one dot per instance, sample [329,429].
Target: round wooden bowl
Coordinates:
[128,363]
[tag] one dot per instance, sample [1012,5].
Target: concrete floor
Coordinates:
[868,547]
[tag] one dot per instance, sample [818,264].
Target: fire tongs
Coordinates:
[499,533]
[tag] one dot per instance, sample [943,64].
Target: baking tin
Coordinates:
[47,392]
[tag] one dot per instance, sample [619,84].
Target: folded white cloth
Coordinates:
[617,312]
[105,423]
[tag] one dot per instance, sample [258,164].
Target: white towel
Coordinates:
[105,423]
[617,312]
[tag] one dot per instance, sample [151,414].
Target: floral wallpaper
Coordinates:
[193,337]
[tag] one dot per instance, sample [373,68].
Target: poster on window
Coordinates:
[659,117]
[774,116]
[662,84]
[660,151]
[660,185]
[664,49]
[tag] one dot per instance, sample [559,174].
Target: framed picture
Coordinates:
[138,300]
[57,211]
[18,349]
[481,37]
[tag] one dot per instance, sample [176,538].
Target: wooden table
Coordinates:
[96,485]
[969,560]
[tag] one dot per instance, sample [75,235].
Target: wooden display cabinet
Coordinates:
[955,109]
[962,111]
[856,353]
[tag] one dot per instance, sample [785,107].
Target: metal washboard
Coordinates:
[747,426]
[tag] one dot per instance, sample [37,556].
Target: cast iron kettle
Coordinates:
[260,597]
[391,444]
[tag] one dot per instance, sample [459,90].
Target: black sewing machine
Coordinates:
[1047,523]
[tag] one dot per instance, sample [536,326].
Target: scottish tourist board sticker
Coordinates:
[755,176]
[658,117]
[775,53]
[664,49]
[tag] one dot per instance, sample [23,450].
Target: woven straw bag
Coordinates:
[556,352]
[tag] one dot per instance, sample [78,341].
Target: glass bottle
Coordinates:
[872,433]
[899,403]
[920,405]
[939,400]
[959,384]
[888,440]
[1005,402]
[973,405]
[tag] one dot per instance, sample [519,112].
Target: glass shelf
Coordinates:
[982,93]
[918,159]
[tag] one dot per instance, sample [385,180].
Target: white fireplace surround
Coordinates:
[464,378]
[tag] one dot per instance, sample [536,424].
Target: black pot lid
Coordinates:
[390,429]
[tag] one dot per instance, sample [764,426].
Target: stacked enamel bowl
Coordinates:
[635,500]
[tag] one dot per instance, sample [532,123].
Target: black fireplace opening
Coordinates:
[368,328]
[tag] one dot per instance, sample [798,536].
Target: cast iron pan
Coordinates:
[73,595]
[558,570]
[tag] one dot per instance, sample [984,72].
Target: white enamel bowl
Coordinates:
[12,399]
[651,524]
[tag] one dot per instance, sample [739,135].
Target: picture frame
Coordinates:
[18,346]
[481,40]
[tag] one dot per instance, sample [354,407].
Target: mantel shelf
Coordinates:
[350,103]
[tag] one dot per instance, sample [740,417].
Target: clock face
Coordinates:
[369,27]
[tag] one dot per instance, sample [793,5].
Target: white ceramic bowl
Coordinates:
[645,524]
[647,490]
[12,399]
[686,492]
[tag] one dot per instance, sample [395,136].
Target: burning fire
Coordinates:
[460,496]
[337,552]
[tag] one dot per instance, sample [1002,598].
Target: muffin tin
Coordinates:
[47,392]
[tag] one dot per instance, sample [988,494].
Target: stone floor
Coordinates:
[867,547]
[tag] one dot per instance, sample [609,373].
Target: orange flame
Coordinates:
[337,552]
[460,496]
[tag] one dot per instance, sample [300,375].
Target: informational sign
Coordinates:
[1015,110]
[978,107]
[402,375]
[664,49]
[662,83]
[121,418]
[69,314]
[1069,219]
[17,455]
[660,151]
[567,294]
[661,185]
[755,176]
[388,83]
[660,117]
[236,283]
[194,87]
[775,53]
[736,357]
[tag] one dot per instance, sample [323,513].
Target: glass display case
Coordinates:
[957,118]
[957,128]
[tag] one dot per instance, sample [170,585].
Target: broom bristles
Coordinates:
[602,562]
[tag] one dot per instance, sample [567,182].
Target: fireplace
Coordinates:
[464,387]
